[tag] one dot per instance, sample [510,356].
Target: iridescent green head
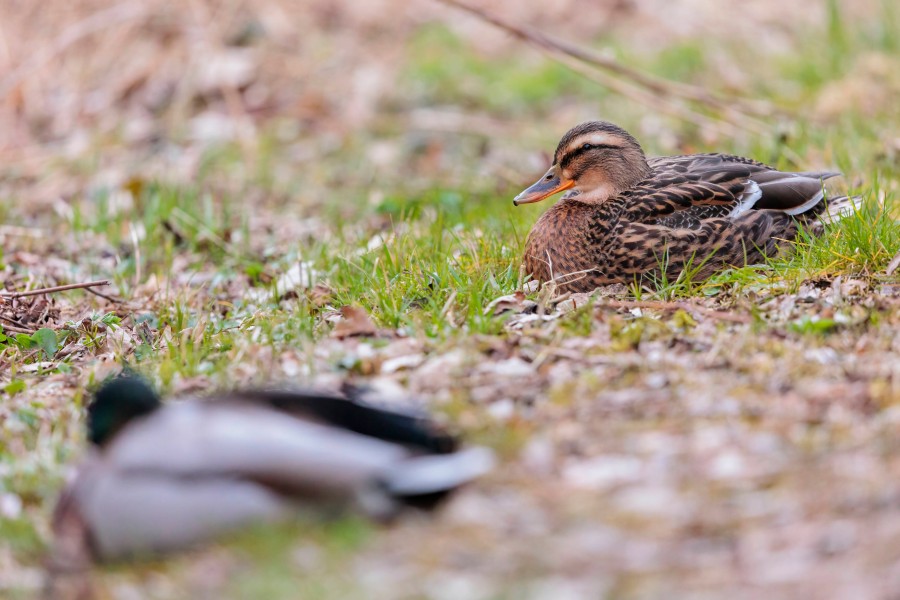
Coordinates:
[118,401]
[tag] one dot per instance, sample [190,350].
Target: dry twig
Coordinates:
[624,80]
[58,288]
[12,321]
[13,326]
[16,329]
[7,364]
[104,296]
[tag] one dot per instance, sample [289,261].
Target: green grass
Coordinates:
[443,69]
[859,245]
[272,554]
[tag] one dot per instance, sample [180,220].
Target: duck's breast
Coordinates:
[131,514]
[560,243]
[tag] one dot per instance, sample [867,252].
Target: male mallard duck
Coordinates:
[627,215]
[163,477]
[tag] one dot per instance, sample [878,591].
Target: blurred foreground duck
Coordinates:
[626,216]
[163,477]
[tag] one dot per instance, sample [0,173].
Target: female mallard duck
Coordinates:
[627,216]
[163,477]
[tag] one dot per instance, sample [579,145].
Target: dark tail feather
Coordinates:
[354,414]
[792,193]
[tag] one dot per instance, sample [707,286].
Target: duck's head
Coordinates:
[117,402]
[596,159]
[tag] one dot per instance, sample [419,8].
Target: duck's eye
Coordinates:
[587,146]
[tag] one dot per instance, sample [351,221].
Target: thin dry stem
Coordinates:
[51,290]
[7,364]
[653,88]
[17,329]
[892,266]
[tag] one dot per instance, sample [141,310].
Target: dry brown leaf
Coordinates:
[355,322]
[572,302]
[895,262]
[515,303]
[320,295]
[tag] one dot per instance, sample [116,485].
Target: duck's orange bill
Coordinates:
[544,187]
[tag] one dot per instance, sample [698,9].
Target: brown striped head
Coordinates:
[597,159]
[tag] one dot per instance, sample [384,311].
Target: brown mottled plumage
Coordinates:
[627,216]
